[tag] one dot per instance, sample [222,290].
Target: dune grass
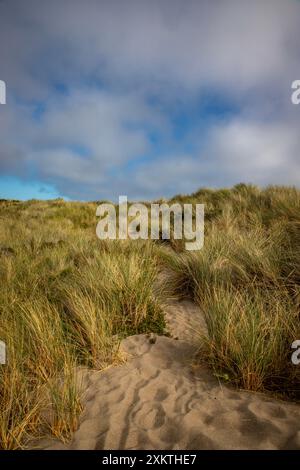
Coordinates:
[66,301]
[246,280]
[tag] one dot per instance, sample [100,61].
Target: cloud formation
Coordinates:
[149,98]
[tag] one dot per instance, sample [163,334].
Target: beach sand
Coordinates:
[160,399]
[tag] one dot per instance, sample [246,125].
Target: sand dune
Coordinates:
[159,399]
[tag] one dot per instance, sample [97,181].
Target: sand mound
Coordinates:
[159,399]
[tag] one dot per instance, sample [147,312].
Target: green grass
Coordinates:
[250,335]
[67,299]
[246,280]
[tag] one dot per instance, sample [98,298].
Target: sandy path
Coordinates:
[159,400]
[185,321]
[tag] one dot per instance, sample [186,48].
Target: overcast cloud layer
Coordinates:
[149,98]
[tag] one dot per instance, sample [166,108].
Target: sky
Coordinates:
[147,98]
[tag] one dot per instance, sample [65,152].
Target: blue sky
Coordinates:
[13,188]
[147,99]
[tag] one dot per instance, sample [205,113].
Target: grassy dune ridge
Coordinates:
[67,299]
[246,280]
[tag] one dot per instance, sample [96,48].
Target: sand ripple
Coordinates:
[159,400]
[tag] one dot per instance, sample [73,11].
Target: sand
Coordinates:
[159,399]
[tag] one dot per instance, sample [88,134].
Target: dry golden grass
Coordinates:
[246,280]
[66,300]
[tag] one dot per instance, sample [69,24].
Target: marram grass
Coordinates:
[67,299]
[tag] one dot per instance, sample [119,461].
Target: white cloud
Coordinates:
[237,45]
[137,53]
[237,151]
[256,152]
[79,139]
